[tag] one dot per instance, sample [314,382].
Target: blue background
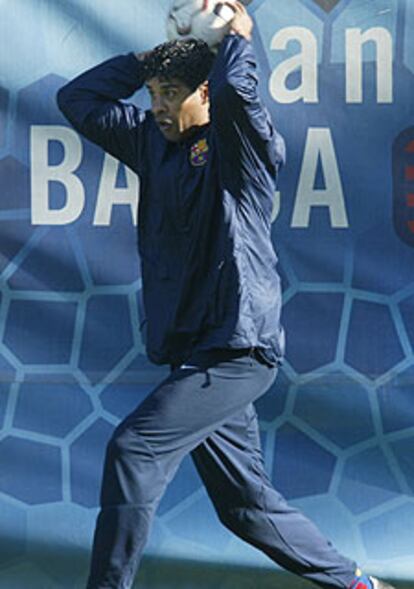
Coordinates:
[338,425]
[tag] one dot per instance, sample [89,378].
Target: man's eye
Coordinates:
[171,94]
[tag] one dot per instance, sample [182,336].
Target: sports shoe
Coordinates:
[365,582]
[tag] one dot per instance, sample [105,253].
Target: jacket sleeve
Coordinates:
[243,126]
[92,103]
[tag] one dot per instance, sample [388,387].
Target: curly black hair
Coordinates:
[188,60]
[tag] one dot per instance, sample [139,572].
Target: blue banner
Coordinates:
[338,425]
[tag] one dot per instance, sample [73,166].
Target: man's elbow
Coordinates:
[70,106]
[63,99]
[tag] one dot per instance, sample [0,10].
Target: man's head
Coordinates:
[177,74]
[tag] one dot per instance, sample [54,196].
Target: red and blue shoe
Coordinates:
[362,581]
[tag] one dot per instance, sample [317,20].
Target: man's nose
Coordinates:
[158,105]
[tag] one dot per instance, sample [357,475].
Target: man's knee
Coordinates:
[126,441]
[246,522]
[131,475]
[231,517]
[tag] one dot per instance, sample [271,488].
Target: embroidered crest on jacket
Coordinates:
[199,153]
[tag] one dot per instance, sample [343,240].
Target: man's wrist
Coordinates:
[241,33]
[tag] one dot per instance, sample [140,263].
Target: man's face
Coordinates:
[176,108]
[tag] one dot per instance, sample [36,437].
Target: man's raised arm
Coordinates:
[243,124]
[92,104]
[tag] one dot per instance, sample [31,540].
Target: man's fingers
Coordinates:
[236,6]
[241,23]
[239,7]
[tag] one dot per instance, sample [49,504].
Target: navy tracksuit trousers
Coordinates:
[203,407]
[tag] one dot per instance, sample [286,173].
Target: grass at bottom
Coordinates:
[170,574]
[69,569]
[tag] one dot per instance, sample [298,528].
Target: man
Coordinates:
[207,154]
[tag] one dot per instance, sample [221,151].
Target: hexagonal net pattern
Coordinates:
[338,425]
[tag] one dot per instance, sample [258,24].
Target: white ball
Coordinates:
[208,20]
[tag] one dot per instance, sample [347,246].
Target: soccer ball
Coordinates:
[208,20]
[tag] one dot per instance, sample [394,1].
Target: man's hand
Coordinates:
[242,23]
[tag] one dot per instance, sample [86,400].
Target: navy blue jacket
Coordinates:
[208,264]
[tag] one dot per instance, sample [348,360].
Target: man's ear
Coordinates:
[204,92]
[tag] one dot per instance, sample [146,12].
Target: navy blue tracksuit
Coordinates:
[212,300]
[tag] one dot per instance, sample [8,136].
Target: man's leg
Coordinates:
[147,448]
[231,466]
